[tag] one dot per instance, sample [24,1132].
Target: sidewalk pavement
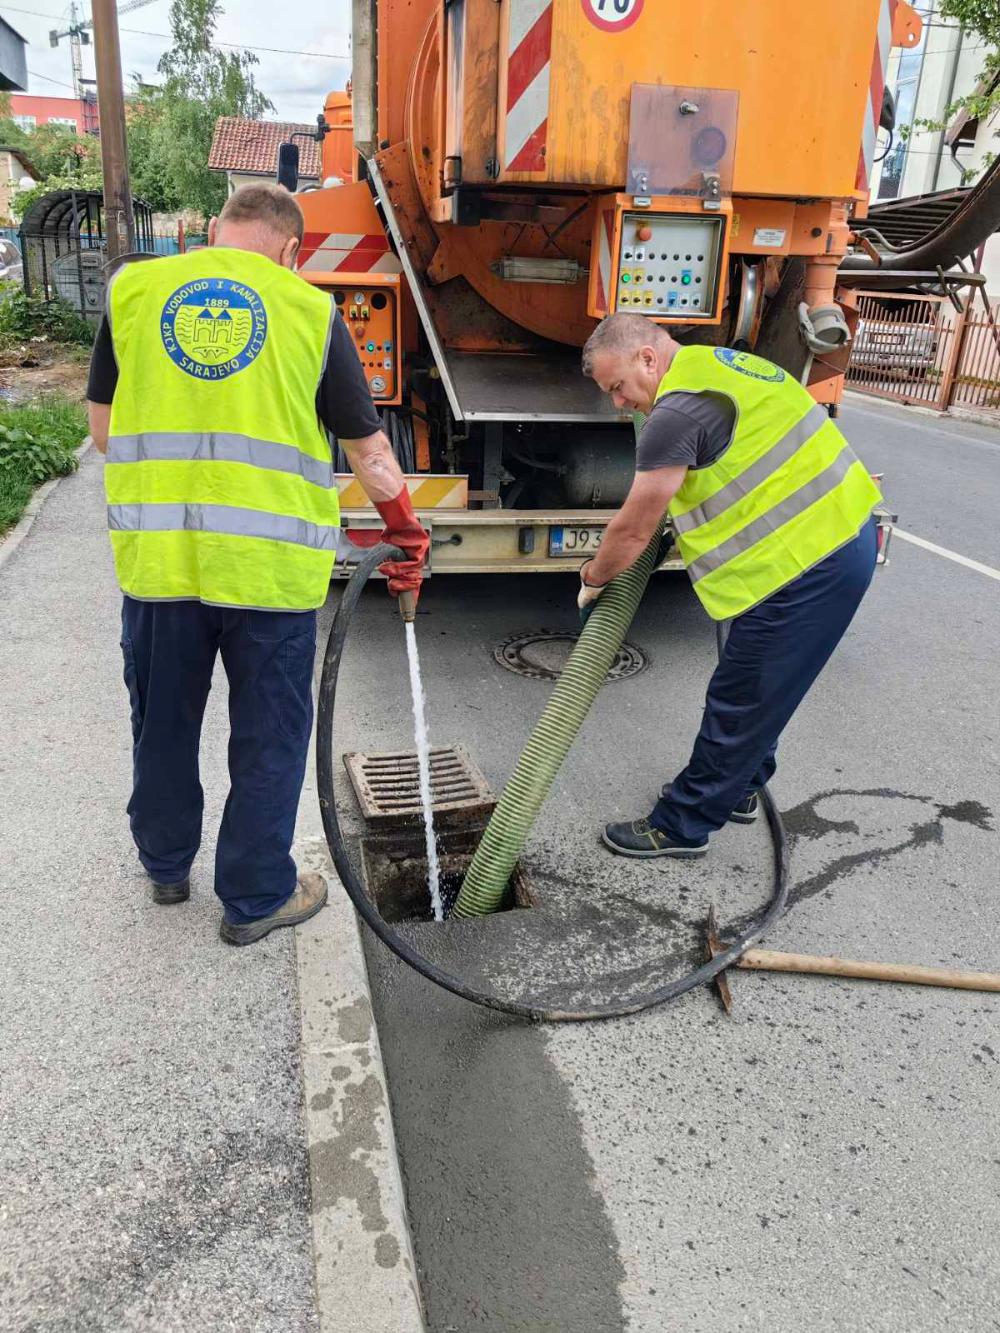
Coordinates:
[169,1158]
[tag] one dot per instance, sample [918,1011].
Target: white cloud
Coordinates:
[296,84]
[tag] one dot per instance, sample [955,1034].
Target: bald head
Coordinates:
[628,355]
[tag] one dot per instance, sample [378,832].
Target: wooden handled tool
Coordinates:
[770,960]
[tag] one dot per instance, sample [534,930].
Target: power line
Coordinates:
[166,37]
[46,79]
[241,46]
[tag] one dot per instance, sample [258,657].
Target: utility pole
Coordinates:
[118,218]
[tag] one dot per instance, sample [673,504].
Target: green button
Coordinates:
[685,279]
[371,346]
[626,277]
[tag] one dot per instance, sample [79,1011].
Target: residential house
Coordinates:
[15,169]
[247,150]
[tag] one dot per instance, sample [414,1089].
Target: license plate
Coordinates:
[574,541]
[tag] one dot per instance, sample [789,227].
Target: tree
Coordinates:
[148,134]
[982,18]
[58,150]
[176,122]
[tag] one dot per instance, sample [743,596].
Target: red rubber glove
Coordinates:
[402,529]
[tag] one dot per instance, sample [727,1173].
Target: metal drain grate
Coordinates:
[541,655]
[388,787]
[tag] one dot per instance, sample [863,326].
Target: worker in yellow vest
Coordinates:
[772,515]
[215,378]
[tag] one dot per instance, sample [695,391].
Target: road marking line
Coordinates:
[948,555]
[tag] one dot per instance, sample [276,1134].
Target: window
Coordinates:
[907,84]
[24,122]
[63,120]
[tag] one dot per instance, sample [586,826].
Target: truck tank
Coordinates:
[523,168]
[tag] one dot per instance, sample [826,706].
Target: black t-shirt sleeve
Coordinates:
[670,438]
[103,377]
[344,401]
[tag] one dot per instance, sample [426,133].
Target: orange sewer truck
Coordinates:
[503,173]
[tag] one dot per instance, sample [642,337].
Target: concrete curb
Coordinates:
[366,1278]
[20,530]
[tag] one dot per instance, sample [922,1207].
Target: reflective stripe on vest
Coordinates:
[795,504]
[219,476]
[788,445]
[221,447]
[785,493]
[226,520]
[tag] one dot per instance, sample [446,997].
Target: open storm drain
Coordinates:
[542,654]
[394,853]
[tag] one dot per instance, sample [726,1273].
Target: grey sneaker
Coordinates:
[639,838]
[178,892]
[745,813]
[309,896]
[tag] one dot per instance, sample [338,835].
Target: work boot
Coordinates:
[178,892]
[308,898]
[640,838]
[745,813]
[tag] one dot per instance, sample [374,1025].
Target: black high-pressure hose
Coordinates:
[403,949]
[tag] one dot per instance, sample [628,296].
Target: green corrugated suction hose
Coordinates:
[583,675]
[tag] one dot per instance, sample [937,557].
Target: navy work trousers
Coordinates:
[169,650]
[773,654]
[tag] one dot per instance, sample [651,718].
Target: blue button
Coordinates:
[388,347]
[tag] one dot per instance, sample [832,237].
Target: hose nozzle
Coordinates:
[408,607]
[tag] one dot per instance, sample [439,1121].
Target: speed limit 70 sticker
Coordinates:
[612,15]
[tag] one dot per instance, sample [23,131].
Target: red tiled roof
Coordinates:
[251,146]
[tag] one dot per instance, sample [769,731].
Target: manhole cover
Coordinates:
[542,655]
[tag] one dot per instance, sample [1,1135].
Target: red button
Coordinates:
[644,233]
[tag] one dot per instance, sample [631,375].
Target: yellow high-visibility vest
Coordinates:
[785,493]
[219,475]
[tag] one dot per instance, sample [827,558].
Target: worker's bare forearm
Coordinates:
[629,532]
[621,547]
[374,465]
[99,421]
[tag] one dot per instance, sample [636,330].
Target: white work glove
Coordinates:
[589,592]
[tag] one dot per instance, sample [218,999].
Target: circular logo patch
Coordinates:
[748,364]
[213,327]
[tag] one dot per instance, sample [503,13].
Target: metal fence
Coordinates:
[920,349]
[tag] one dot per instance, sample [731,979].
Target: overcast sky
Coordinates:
[295,83]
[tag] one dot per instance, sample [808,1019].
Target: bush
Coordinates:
[23,317]
[37,442]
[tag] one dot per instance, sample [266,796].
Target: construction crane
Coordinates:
[79,36]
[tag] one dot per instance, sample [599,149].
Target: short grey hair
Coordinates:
[623,332]
[268,205]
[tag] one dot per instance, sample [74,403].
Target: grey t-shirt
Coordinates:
[685,430]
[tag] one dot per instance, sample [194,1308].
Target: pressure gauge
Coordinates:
[377,384]
[359,298]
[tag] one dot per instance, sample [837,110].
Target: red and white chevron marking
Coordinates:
[876,90]
[529,76]
[605,286]
[338,252]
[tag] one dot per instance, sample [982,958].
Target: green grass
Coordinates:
[38,441]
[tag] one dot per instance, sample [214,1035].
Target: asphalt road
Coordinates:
[827,1158]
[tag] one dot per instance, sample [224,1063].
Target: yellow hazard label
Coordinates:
[426,492]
